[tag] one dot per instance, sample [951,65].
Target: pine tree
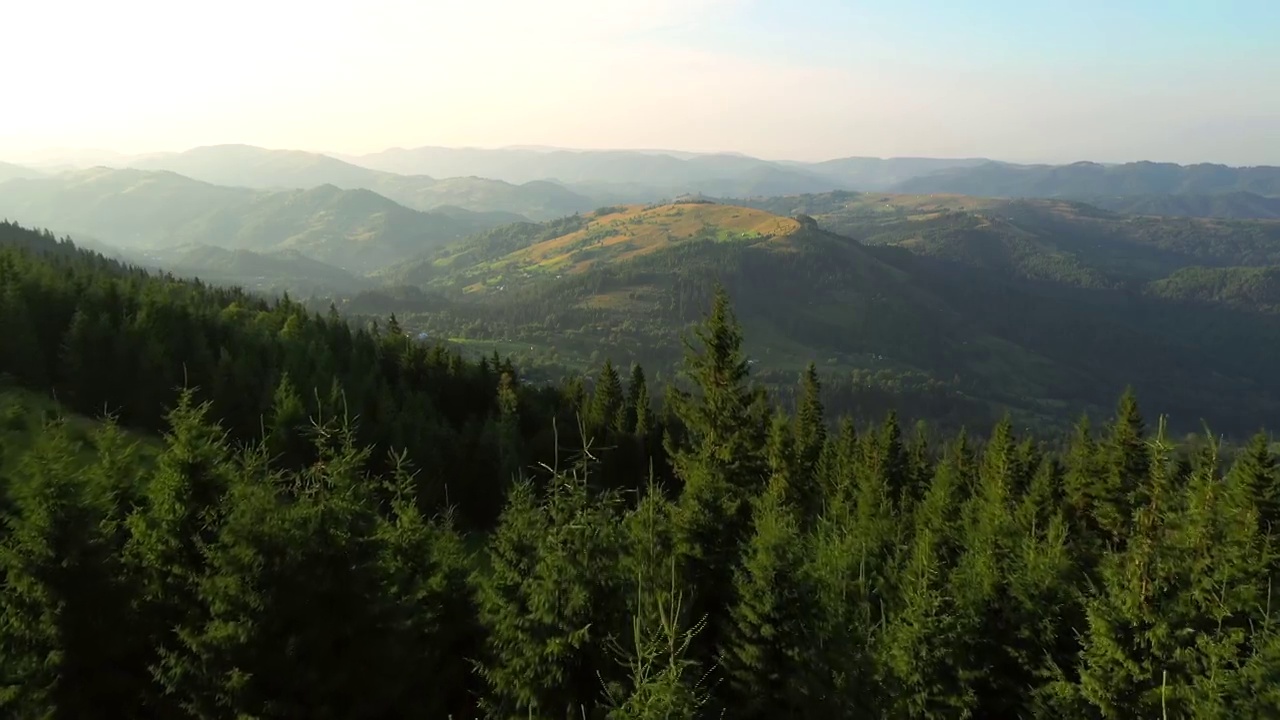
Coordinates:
[720,460]
[980,582]
[1125,463]
[66,626]
[810,426]
[508,427]
[922,649]
[810,439]
[551,596]
[1254,477]
[768,654]
[1130,646]
[662,682]
[644,424]
[286,438]
[607,400]
[424,568]
[180,516]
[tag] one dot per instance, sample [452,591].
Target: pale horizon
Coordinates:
[1059,82]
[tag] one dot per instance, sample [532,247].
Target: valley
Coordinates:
[961,307]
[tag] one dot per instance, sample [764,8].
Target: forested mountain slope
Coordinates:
[1055,240]
[1039,307]
[265,273]
[774,567]
[1231,205]
[105,337]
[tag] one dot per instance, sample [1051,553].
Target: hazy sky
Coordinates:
[1030,80]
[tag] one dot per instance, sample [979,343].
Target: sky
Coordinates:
[1016,80]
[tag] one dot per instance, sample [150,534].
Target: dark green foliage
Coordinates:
[772,671]
[106,337]
[770,568]
[550,599]
[67,647]
[721,462]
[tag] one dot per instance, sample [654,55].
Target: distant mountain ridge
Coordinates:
[357,230]
[661,171]
[262,168]
[1029,304]
[541,183]
[1087,179]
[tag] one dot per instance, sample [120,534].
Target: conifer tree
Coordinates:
[1254,477]
[810,426]
[662,682]
[66,625]
[179,518]
[1178,624]
[1125,468]
[921,652]
[286,438]
[768,655]
[720,459]
[607,399]
[980,582]
[508,427]
[550,598]
[919,463]
[645,427]
[424,568]
[639,413]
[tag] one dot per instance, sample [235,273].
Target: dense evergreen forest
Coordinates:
[339,522]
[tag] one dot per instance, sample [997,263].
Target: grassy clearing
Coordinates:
[636,230]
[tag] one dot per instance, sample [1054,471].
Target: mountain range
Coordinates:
[544,183]
[1088,179]
[961,302]
[253,167]
[1004,304]
[358,230]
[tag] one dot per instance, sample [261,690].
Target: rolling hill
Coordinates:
[1251,289]
[987,311]
[1053,240]
[354,229]
[254,167]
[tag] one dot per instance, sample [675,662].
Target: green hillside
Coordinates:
[354,229]
[1035,307]
[336,521]
[1054,240]
[1252,289]
[1230,205]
